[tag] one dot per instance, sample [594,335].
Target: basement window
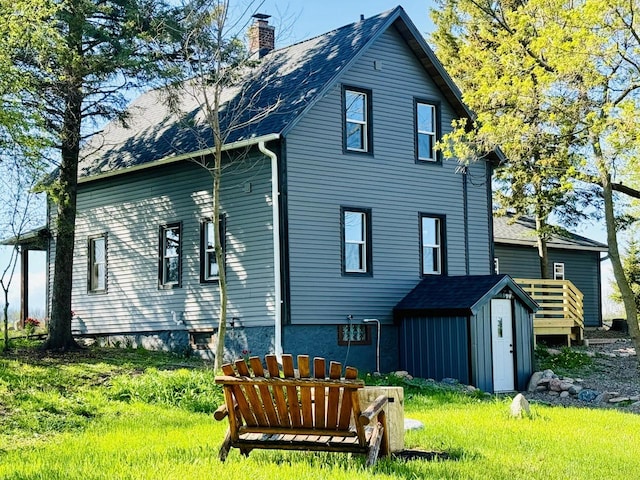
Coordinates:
[354,334]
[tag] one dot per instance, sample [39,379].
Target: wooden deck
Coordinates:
[561,308]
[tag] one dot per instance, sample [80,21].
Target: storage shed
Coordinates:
[477,329]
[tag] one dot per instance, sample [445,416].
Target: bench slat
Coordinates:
[238,394]
[254,400]
[335,369]
[292,391]
[319,370]
[263,388]
[346,407]
[278,391]
[305,392]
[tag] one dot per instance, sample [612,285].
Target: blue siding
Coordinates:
[524,345]
[481,360]
[321,179]
[435,347]
[582,267]
[130,208]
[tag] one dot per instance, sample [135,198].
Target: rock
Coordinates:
[568,380]
[565,386]
[590,354]
[533,381]
[579,380]
[606,396]
[553,351]
[554,394]
[635,398]
[548,374]
[544,381]
[411,424]
[520,406]
[575,389]
[588,395]
[618,399]
[402,374]
[541,388]
[450,381]
[564,394]
[471,388]
[555,385]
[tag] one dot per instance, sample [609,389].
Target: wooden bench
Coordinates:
[282,408]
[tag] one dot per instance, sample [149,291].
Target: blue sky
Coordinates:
[296,21]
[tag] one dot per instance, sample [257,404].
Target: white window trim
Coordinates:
[437,246]
[165,257]
[362,242]
[431,133]
[363,123]
[93,264]
[558,271]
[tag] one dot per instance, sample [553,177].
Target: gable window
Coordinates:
[496,266]
[558,271]
[356,241]
[169,274]
[209,270]
[357,120]
[97,274]
[432,241]
[426,131]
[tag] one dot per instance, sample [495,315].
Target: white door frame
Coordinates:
[502,343]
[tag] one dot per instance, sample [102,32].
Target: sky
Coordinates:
[296,21]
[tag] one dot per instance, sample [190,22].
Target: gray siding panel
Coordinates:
[321,179]
[481,348]
[581,267]
[131,208]
[524,345]
[435,347]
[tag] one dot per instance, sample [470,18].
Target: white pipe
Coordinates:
[275,200]
[369,320]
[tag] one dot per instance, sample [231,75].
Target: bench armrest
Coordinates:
[221,412]
[373,410]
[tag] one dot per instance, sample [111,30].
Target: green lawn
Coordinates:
[123,414]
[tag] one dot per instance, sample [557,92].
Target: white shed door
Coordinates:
[502,345]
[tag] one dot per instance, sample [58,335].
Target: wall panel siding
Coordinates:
[130,209]
[481,348]
[581,267]
[524,345]
[321,179]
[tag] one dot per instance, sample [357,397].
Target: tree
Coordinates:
[485,46]
[586,62]
[79,73]
[217,71]
[631,265]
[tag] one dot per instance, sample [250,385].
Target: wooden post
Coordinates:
[24,285]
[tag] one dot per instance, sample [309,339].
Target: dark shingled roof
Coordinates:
[458,295]
[508,230]
[285,84]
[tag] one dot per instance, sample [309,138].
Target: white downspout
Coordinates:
[275,199]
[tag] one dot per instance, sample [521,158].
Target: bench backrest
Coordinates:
[289,401]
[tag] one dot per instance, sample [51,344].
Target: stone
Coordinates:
[565,386]
[450,381]
[575,389]
[555,385]
[579,380]
[402,374]
[533,381]
[541,388]
[564,394]
[635,398]
[591,354]
[548,374]
[588,395]
[544,381]
[520,406]
[553,351]
[568,380]
[618,399]
[411,424]
[471,388]
[554,394]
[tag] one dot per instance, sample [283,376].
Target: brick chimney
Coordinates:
[261,36]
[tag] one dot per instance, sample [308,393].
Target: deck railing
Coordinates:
[561,308]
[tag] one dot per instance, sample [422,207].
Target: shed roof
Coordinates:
[510,230]
[286,83]
[459,295]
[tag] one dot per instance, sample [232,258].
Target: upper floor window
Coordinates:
[432,241]
[209,270]
[496,266]
[357,120]
[356,241]
[426,131]
[169,274]
[558,271]
[97,274]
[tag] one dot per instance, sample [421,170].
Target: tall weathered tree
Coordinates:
[94,53]
[586,60]
[220,73]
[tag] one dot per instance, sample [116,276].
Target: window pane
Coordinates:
[212,266]
[426,118]
[98,250]
[430,260]
[171,270]
[355,105]
[172,242]
[355,136]
[100,274]
[425,146]
[353,226]
[354,257]
[430,231]
[210,240]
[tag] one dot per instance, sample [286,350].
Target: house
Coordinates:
[335,205]
[571,257]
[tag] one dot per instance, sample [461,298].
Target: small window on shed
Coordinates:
[558,271]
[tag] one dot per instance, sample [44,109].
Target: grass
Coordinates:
[131,414]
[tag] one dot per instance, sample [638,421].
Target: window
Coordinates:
[97,274]
[169,274]
[208,264]
[431,239]
[558,271]
[357,120]
[354,334]
[496,266]
[356,241]
[426,120]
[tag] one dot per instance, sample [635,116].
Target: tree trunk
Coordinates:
[60,336]
[5,311]
[543,255]
[626,293]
